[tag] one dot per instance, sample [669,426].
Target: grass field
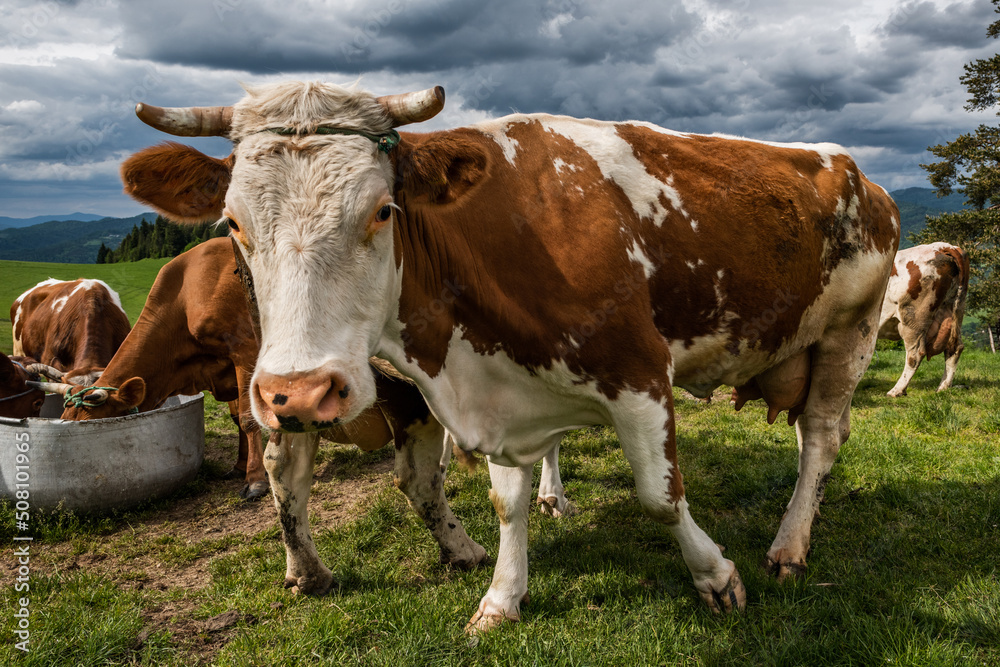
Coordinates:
[132,282]
[903,571]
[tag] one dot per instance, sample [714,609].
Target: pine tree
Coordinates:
[971,165]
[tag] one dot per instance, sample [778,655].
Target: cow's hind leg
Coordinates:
[915,353]
[551,495]
[511,496]
[838,362]
[289,460]
[952,354]
[422,456]
[646,430]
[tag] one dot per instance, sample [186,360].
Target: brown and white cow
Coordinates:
[74,326]
[17,399]
[535,274]
[195,334]
[192,335]
[924,306]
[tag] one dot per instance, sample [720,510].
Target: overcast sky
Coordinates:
[878,76]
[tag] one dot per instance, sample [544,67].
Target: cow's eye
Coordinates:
[383,213]
[232,225]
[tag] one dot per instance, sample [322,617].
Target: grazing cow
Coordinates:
[924,306]
[17,399]
[535,274]
[192,335]
[74,326]
[195,334]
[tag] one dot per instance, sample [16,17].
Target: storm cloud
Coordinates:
[878,77]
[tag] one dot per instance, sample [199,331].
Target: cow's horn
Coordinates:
[98,397]
[47,371]
[413,107]
[60,388]
[187,121]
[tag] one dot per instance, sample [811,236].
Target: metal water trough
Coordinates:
[101,464]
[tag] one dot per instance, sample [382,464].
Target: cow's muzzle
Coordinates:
[303,401]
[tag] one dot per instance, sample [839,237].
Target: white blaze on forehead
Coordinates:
[497,130]
[637,255]
[616,160]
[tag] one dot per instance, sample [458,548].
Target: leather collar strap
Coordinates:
[386,142]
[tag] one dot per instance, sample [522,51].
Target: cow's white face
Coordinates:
[314,217]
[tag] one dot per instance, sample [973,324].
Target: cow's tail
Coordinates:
[952,344]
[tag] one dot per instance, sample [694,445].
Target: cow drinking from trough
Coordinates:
[73,326]
[535,274]
[195,333]
[924,306]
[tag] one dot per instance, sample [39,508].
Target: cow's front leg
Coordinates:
[511,496]
[551,495]
[422,457]
[289,460]
[253,457]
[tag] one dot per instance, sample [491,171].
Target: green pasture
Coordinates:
[903,570]
[132,282]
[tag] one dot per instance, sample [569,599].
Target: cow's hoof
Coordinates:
[317,585]
[896,394]
[782,567]
[235,473]
[725,599]
[556,506]
[254,491]
[482,622]
[477,557]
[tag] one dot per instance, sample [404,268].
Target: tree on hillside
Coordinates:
[160,239]
[971,165]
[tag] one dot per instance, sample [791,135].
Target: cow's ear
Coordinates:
[132,392]
[178,181]
[441,167]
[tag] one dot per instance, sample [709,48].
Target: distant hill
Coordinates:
[6,222]
[66,241]
[915,204]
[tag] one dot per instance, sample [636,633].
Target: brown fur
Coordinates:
[178,181]
[16,398]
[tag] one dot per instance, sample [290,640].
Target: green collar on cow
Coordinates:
[386,142]
[76,399]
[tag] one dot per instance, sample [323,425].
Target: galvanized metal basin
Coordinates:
[101,464]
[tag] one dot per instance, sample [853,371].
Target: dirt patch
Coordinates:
[175,546]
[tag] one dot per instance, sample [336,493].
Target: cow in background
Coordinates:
[193,335]
[73,326]
[924,305]
[17,399]
[535,274]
